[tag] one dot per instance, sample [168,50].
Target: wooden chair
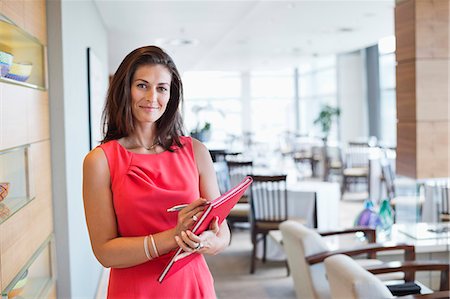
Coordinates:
[437,197]
[444,211]
[351,281]
[356,167]
[237,170]
[306,249]
[333,162]
[268,209]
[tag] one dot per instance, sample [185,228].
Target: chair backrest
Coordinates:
[348,280]
[238,170]
[223,177]
[299,242]
[269,198]
[437,199]
[357,156]
[388,178]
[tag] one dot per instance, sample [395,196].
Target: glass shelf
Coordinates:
[10,206]
[14,169]
[15,82]
[26,49]
[39,271]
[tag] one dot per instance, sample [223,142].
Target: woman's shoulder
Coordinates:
[95,158]
[199,149]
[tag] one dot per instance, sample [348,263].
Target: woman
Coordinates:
[143,167]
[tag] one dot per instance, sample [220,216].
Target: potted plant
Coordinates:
[325,119]
[202,133]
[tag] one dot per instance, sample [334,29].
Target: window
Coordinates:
[272,105]
[317,87]
[388,123]
[213,97]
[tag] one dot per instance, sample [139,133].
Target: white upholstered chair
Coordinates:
[305,250]
[348,280]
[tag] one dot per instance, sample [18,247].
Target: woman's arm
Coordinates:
[110,249]
[217,238]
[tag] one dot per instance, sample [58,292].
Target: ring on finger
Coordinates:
[195,218]
[199,246]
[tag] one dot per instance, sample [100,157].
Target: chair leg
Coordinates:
[344,184]
[230,225]
[265,247]
[253,258]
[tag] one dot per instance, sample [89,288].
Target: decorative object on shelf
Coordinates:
[20,285]
[386,214]
[4,189]
[6,60]
[202,133]
[4,211]
[325,119]
[20,71]
[368,216]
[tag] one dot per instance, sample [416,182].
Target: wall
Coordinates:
[24,122]
[73,27]
[352,96]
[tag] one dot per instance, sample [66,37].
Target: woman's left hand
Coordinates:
[207,242]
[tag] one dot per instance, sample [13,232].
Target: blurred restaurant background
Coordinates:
[341,107]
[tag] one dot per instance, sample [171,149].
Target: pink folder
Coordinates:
[220,207]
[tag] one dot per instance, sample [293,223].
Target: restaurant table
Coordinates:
[431,241]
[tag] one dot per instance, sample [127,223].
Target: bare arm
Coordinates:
[217,238]
[110,249]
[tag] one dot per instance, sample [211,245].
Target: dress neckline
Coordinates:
[139,154]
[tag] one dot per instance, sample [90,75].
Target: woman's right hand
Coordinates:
[189,215]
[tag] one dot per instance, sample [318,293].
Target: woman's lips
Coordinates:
[149,108]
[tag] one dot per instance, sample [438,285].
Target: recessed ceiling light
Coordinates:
[176,42]
[345,29]
[291,5]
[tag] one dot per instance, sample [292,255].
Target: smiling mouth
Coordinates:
[149,108]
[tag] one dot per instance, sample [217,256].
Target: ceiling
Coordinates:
[244,35]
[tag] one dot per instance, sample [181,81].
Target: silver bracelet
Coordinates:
[154,246]
[147,252]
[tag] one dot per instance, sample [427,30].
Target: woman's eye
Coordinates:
[163,89]
[141,85]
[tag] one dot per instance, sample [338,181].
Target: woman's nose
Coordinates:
[150,96]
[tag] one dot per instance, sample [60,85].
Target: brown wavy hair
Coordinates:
[117,117]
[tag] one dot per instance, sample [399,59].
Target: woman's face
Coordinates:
[150,92]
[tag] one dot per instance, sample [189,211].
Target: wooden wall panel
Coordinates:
[423,82]
[432,149]
[432,93]
[406,149]
[406,91]
[38,116]
[52,292]
[24,119]
[35,19]
[21,236]
[23,233]
[40,171]
[14,10]
[13,115]
[432,29]
[24,115]
[405,30]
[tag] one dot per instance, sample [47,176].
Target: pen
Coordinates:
[176,208]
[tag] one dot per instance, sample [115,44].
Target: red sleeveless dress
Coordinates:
[144,186]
